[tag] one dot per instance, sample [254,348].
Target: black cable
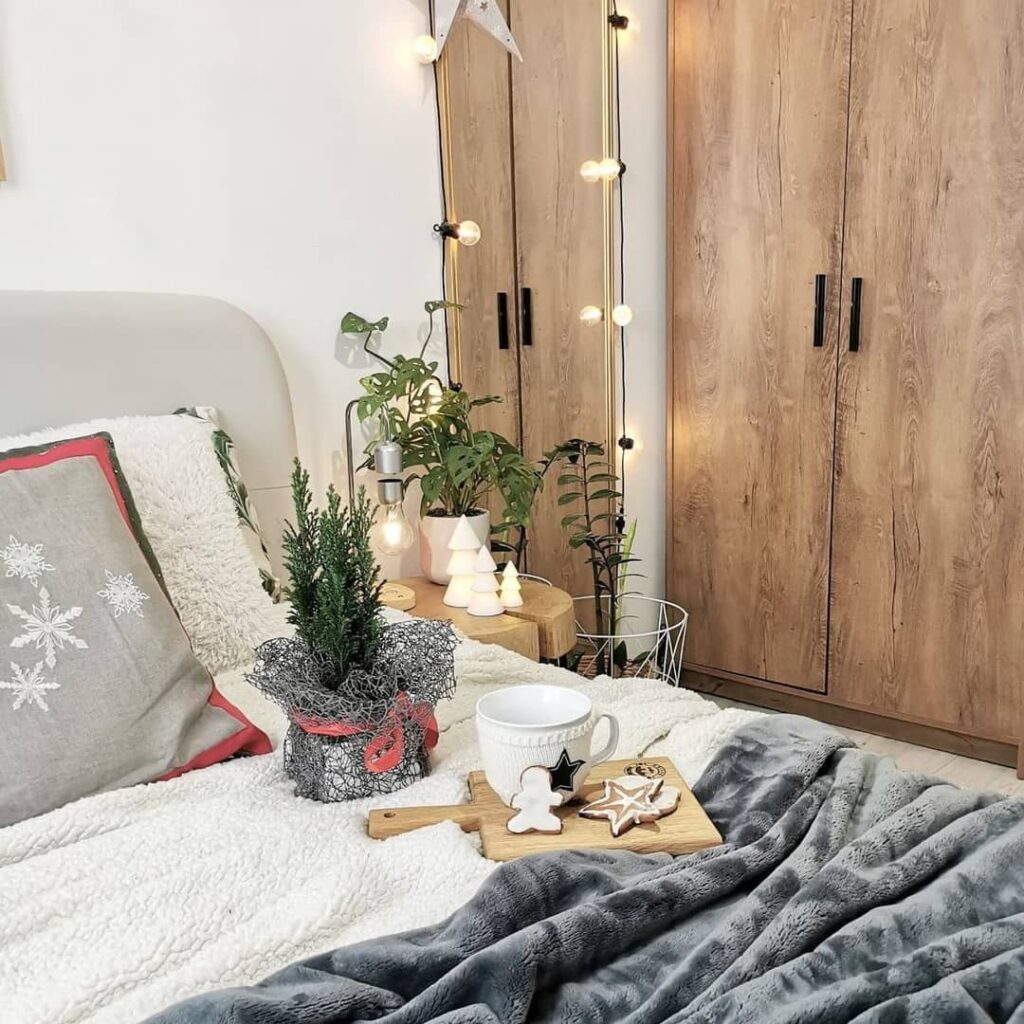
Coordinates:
[444,203]
[622,261]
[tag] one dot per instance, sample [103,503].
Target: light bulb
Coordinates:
[622,315]
[467,232]
[424,49]
[590,171]
[392,534]
[591,316]
[609,169]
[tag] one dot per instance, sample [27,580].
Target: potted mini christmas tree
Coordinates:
[359,693]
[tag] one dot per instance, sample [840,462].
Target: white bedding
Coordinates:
[116,906]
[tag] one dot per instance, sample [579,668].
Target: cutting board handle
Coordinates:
[394,821]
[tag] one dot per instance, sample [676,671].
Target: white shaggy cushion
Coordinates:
[189,518]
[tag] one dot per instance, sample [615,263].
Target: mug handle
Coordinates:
[613,740]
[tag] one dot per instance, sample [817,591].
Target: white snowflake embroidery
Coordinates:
[123,594]
[26,561]
[28,687]
[48,627]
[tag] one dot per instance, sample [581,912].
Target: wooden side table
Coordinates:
[544,627]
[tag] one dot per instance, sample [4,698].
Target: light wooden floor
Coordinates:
[961,771]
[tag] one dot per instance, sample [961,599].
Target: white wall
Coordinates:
[282,156]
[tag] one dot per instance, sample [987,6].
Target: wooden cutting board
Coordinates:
[686,830]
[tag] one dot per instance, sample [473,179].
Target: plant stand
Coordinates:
[544,627]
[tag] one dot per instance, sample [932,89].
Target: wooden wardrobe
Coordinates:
[517,134]
[846,395]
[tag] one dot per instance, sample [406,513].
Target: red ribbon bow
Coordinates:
[385,750]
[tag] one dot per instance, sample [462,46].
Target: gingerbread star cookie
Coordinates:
[666,799]
[626,805]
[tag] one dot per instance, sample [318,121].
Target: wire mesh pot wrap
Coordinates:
[371,733]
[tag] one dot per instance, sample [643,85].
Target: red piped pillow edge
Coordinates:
[248,739]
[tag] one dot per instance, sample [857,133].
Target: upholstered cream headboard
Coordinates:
[71,356]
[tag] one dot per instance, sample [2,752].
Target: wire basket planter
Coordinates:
[653,632]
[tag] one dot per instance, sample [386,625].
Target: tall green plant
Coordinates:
[335,581]
[457,465]
[590,484]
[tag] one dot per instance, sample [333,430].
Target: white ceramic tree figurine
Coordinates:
[461,565]
[511,588]
[484,598]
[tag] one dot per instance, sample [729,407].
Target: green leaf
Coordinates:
[570,478]
[604,492]
[435,304]
[353,323]
[570,520]
[566,499]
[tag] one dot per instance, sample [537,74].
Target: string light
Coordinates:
[465,232]
[468,232]
[591,316]
[424,49]
[622,314]
[604,170]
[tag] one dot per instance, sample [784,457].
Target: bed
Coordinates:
[120,904]
[99,354]
[844,891]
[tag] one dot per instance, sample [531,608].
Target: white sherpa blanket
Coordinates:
[118,905]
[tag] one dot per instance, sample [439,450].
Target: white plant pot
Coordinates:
[436,531]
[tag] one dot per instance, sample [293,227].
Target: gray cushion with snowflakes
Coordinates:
[99,687]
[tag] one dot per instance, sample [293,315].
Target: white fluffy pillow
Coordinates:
[189,518]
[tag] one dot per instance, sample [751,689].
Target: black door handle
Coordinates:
[502,320]
[856,290]
[527,303]
[819,309]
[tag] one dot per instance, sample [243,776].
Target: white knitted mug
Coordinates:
[521,726]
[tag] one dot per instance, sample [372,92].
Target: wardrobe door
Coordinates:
[556,94]
[478,166]
[927,564]
[758,132]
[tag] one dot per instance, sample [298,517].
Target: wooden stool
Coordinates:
[544,627]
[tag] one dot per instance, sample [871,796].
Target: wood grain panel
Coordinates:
[757,146]
[927,571]
[480,188]
[557,117]
[825,709]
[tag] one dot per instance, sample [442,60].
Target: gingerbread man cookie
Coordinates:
[534,802]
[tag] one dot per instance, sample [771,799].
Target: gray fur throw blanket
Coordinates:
[846,890]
